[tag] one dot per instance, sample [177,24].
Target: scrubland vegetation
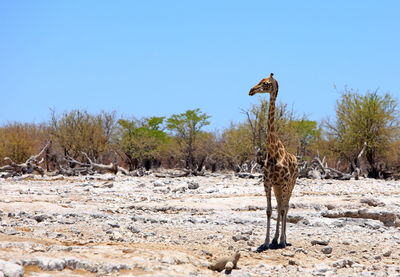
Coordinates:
[180,141]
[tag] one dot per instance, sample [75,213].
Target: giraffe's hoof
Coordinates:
[282,245]
[274,245]
[262,248]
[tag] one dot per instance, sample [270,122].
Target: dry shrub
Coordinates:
[19,141]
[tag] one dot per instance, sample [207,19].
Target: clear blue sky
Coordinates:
[154,58]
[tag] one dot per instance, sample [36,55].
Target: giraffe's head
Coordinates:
[266,85]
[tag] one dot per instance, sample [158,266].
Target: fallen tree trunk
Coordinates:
[180,172]
[31,165]
[247,175]
[317,170]
[87,168]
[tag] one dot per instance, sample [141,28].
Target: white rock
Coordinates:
[180,188]
[158,183]
[70,263]
[42,262]
[10,269]
[56,264]
[211,190]
[239,273]
[343,263]
[321,270]
[113,224]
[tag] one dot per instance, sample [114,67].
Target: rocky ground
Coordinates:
[127,226]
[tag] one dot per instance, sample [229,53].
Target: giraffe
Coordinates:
[280,169]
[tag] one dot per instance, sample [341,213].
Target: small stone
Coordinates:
[294,218]
[302,251]
[327,250]
[251,243]
[320,242]
[293,262]
[108,185]
[322,268]
[158,183]
[329,206]
[239,273]
[239,221]
[358,266]
[338,224]
[9,231]
[372,202]
[193,185]
[342,263]
[117,236]
[238,237]
[181,188]
[40,218]
[113,224]
[211,190]
[133,229]
[387,253]
[288,254]
[247,233]
[378,257]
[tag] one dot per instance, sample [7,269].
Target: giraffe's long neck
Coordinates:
[272,136]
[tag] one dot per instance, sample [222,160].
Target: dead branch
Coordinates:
[87,168]
[317,170]
[247,175]
[357,170]
[31,165]
[180,172]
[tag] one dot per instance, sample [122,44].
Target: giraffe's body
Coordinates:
[280,169]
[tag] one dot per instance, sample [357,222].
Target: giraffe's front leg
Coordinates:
[265,245]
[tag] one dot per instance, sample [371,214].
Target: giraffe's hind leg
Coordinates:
[274,244]
[285,208]
[283,243]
